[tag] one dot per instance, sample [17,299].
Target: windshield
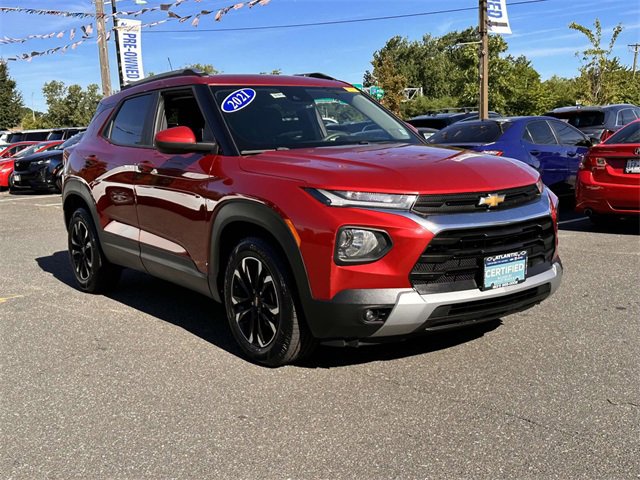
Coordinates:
[629,134]
[470,132]
[276,117]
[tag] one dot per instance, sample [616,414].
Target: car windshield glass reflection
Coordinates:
[274,117]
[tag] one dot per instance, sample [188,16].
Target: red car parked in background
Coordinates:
[28,148]
[14,148]
[609,176]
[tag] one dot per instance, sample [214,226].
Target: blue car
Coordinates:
[551,146]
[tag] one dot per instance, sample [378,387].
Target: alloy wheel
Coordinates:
[82,252]
[254,299]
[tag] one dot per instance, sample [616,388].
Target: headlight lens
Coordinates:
[360,245]
[42,162]
[341,198]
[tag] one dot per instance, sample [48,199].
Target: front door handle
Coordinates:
[535,153]
[572,154]
[145,167]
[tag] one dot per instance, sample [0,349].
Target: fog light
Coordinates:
[376,315]
[358,245]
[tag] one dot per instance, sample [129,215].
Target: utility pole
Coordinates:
[116,35]
[484,61]
[635,47]
[102,49]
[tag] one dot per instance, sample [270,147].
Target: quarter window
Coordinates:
[128,126]
[540,133]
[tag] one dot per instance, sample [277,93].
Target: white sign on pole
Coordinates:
[497,18]
[130,44]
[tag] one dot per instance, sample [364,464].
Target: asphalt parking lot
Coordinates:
[147,382]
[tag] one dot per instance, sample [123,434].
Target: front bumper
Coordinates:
[39,178]
[412,313]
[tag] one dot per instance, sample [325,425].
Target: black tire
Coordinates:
[92,271]
[261,306]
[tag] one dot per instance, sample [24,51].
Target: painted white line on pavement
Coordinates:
[575,220]
[18,199]
[47,204]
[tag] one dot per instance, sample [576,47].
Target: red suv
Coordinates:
[349,231]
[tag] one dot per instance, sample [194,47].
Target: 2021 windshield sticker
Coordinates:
[238,100]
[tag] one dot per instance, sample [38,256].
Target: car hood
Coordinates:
[39,156]
[397,168]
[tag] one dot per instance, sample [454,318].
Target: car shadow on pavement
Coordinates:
[206,319]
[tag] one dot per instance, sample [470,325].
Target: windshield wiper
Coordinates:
[256,152]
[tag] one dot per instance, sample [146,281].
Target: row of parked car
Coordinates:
[35,165]
[562,146]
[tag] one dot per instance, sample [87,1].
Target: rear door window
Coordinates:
[625,116]
[568,135]
[128,125]
[540,133]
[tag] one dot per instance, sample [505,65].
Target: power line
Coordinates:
[338,22]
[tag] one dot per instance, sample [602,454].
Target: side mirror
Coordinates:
[595,140]
[181,140]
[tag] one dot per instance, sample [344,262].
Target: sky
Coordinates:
[540,32]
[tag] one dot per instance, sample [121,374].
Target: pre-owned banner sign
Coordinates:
[130,44]
[498,20]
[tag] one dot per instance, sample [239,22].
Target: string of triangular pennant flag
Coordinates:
[88,29]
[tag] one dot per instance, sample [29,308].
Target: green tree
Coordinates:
[599,68]
[557,92]
[387,71]
[10,99]
[275,71]
[69,106]
[206,68]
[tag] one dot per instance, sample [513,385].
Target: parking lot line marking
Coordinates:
[575,220]
[4,299]
[47,204]
[18,199]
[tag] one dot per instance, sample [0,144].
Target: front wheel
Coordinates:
[93,272]
[260,305]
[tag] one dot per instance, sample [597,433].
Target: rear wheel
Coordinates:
[93,272]
[261,307]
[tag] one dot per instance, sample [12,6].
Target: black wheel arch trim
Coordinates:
[254,212]
[74,186]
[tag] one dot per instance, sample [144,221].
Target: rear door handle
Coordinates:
[572,154]
[90,160]
[535,153]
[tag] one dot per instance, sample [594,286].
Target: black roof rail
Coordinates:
[323,76]
[165,75]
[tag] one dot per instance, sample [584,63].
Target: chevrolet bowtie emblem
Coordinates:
[492,200]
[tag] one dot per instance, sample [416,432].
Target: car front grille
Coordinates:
[487,309]
[470,202]
[454,259]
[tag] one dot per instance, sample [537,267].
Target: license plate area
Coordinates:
[504,270]
[632,166]
[16,178]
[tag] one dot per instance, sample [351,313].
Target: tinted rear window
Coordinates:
[629,134]
[128,126]
[591,118]
[467,132]
[436,123]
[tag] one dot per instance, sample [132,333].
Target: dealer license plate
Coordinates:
[505,270]
[16,178]
[633,166]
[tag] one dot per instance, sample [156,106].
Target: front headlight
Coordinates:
[540,185]
[343,198]
[42,162]
[360,245]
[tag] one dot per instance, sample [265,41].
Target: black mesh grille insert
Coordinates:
[454,259]
[469,202]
